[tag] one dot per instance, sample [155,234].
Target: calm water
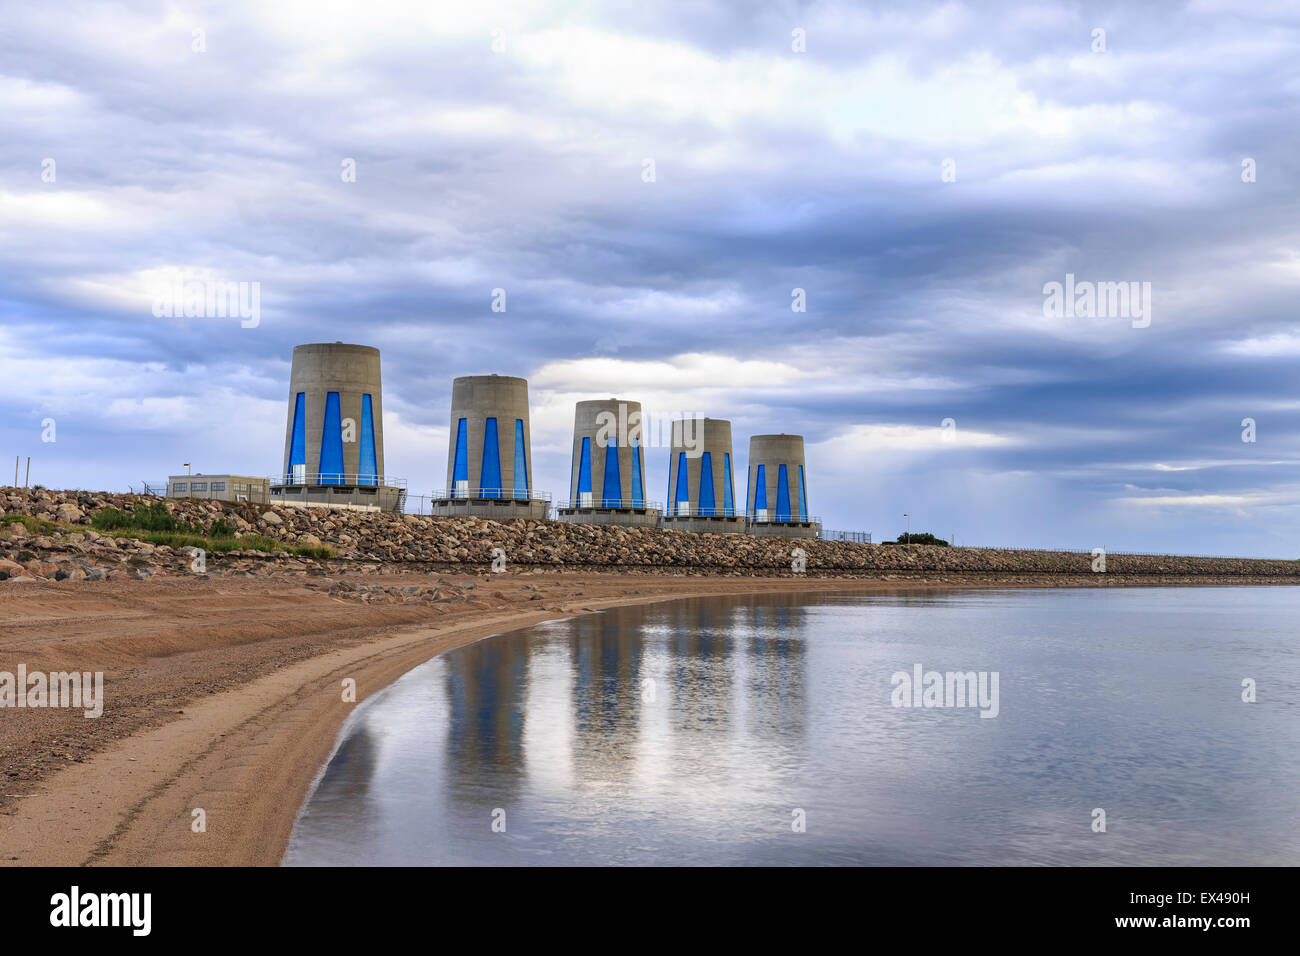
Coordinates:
[692,732]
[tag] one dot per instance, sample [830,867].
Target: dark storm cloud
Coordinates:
[775,170]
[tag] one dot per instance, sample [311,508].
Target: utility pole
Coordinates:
[28,479]
[17,459]
[908,540]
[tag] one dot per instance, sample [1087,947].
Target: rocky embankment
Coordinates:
[60,544]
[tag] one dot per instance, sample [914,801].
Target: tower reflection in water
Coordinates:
[629,702]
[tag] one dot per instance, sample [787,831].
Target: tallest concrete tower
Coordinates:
[334,431]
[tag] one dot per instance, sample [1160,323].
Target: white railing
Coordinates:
[464,492]
[593,501]
[772,516]
[337,478]
[684,509]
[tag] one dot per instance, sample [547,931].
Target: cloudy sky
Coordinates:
[920,170]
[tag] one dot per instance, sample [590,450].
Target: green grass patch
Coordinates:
[32,524]
[156,525]
[322,552]
[151,517]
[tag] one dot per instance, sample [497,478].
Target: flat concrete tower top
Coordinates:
[334,347]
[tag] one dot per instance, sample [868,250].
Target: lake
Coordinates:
[771,730]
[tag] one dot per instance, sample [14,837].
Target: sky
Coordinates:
[657,188]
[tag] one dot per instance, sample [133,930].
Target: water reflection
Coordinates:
[693,731]
[486,685]
[605,656]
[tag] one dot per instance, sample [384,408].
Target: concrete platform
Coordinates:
[628,517]
[717,524]
[785,529]
[499,509]
[384,497]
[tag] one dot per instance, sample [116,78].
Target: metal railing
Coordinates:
[775,517]
[684,509]
[861,537]
[488,494]
[591,501]
[337,478]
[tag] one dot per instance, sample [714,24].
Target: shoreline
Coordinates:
[248,754]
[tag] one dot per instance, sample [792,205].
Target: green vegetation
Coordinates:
[321,552]
[152,517]
[33,525]
[919,537]
[156,525]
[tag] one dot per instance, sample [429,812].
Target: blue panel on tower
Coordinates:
[707,499]
[368,470]
[489,476]
[521,461]
[728,497]
[612,489]
[584,469]
[460,468]
[298,446]
[638,491]
[331,443]
[782,494]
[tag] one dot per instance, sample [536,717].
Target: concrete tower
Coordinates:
[607,471]
[701,486]
[776,496]
[489,461]
[334,434]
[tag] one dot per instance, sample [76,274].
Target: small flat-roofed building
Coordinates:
[218,487]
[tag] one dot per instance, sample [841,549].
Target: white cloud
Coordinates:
[870,439]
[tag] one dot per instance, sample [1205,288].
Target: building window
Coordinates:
[198,486]
[180,488]
[218,486]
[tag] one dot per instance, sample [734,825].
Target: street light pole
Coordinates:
[909,528]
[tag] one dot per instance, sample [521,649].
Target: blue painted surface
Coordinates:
[331,442]
[707,500]
[368,469]
[521,461]
[612,487]
[489,476]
